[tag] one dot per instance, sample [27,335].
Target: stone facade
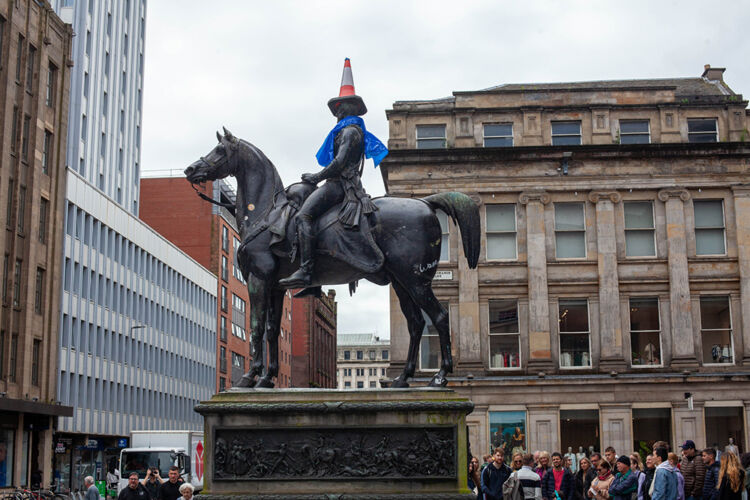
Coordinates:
[313,323]
[613,279]
[361,360]
[35,76]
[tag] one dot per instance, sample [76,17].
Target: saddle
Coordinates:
[336,238]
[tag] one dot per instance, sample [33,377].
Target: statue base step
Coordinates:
[330,444]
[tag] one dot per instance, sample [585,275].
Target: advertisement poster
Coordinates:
[508,431]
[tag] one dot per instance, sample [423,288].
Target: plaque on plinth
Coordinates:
[305,444]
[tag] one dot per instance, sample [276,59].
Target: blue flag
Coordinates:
[373,147]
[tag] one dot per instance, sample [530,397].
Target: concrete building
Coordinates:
[314,341]
[614,278]
[35,60]
[208,233]
[138,316]
[362,359]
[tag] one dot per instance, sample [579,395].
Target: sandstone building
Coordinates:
[35,62]
[611,305]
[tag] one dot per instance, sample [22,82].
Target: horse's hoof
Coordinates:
[246,382]
[265,383]
[438,381]
[399,383]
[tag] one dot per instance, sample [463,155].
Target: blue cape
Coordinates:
[373,147]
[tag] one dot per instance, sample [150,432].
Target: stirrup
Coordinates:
[315,291]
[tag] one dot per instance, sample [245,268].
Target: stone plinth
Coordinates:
[322,443]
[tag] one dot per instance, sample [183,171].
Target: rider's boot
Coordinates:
[302,278]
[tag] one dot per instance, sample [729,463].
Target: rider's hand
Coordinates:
[311,178]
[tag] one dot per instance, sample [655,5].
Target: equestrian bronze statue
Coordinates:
[305,236]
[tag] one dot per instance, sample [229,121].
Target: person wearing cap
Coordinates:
[625,482]
[342,156]
[693,470]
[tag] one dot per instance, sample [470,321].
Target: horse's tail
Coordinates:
[464,212]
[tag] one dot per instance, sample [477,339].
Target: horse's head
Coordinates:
[218,163]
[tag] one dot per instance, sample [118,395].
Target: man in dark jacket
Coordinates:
[170,490]
[135,490]
[494,475]
[625,483]
[712,473]
[693,470]
[558,479]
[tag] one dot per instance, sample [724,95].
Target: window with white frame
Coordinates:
[716,330]
[634,132]
[431,137]
[238,317]
[567,133]
[709,227]
[501,231]
[573,321]
[445,241]
[570,231]
[645,331]
[429,346]
[639,229]
[498,135]
[235,269]
[505,338]
[702,130]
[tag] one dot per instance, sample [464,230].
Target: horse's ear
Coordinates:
[228,134]
[218,136]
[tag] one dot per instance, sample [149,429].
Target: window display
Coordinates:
[508,431]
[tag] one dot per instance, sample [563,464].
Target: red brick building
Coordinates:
[209,235]
[314,346]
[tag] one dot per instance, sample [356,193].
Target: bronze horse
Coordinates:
[406,231]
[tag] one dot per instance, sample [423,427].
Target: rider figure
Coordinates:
[342,154]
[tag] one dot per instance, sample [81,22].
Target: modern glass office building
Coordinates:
[138,316]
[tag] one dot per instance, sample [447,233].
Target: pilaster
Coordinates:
[543,425]
[617,430]
[610,329]
[688,424]
[742,218]
[470,352]
[540,356]
[683,345]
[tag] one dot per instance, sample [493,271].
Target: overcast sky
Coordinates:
[266,69]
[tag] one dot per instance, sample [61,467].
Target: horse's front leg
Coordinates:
[258,292]
[274,310]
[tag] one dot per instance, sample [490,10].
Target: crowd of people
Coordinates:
[152,487]
[663,475]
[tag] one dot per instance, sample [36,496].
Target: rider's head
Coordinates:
[347,107]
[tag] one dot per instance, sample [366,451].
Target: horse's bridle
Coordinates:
[212,165]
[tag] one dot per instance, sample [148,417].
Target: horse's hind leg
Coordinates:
[439,317]
[274,309]
[415,323]
[258,293]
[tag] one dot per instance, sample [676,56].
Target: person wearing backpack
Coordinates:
[494,476]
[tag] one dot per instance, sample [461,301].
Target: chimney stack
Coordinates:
[713,74]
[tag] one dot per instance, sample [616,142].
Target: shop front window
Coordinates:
[508,431]
[579,429]
[6,456]
[651,425]
[725,428]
